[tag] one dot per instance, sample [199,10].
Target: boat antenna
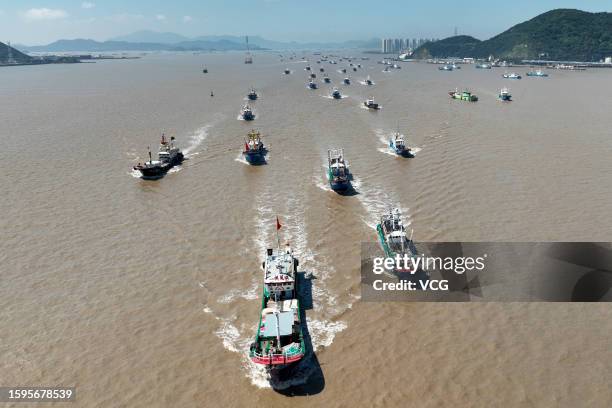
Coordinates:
[150,157]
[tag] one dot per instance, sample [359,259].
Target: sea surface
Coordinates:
[147,293]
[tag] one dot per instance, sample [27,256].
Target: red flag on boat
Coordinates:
[278,224]
[246,146]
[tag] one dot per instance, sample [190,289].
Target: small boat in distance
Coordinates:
[248,59]
[504,95]
[286,71]
[279,340]
[346,81]
[336,94]
[313,75]
[312,84]
[368,81]
[512,75]
[446,68]
[252,95]
[463,96]
[337,170]
[307,68]
[483,66]
[321,69]
[168,157]
[537,73]
[205,70]
[370,104]
[254,150]
[326,79]
[398,145]
[247,113]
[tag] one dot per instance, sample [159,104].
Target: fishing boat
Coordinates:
[455,66]
[168,156]
[346,81]
[312,84]
[326,79]
[205,70]
[483,66]
[512,75]
[398,145]
[392,236]
[337,170]
[279,340]
[336,94]
[313,75]
[248,59]
[464,96]
[307,68]
[286,71]
[252,95]
[343,70]
[446,68]
[321,69]
[254,150]
[368,81]
[537,73]
[247,113]
[370,104]
[504,95]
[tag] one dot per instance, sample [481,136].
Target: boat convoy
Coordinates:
[279,339]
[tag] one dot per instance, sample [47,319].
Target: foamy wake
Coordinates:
[362,106]
[240,158]
[331,97]
[195,140]
[377,202]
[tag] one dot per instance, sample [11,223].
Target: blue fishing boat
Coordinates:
[254,150]
[252,95]
[312,84]
[247,113]
[337,171]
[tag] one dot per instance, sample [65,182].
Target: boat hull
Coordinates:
[254,157]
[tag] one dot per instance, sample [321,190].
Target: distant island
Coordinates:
[562,34]
[156,41]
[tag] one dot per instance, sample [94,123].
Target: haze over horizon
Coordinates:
[42,22]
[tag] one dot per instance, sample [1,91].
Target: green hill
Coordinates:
[561,34]
[18,56]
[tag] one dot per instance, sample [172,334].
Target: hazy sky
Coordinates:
[43,21]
